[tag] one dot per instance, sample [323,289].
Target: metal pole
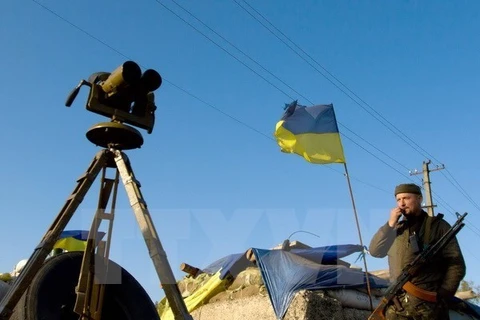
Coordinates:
[359,234]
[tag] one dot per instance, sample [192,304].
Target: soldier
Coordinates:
[425,295]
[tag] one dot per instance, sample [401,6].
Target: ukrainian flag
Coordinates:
[75,240]
[311,132]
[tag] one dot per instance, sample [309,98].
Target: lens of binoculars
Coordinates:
[151,80]
[127,74]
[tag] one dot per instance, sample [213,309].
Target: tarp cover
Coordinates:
[325,255]
[233,264]
[286,272]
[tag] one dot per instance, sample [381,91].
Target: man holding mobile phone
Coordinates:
[402,239]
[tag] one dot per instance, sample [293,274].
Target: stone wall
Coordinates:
[306,305]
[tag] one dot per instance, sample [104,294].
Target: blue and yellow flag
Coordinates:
[311,132]
[75,240]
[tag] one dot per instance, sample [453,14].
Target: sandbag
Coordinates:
[353,299]
[350,298]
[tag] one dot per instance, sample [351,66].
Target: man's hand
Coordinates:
[395,215]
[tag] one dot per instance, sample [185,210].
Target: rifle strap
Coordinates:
[428,226]
[420,293]
[426,234]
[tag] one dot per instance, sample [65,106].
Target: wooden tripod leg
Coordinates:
[45,246]
[158,255]
[92,276]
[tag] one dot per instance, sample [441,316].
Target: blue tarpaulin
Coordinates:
[233,264]
[328,254]
[323,255]
[286,272]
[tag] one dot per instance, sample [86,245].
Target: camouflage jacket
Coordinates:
[446,270]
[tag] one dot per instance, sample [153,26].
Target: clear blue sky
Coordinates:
[211,173]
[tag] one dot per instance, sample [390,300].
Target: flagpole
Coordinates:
[359,234]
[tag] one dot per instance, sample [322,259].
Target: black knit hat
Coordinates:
[408,188]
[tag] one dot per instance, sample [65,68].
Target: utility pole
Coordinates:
[426,184]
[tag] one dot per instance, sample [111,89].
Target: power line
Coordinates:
[204,102]
[425,184]
[381,160]
[445,205]
[226,114]
[460,189]
[234,46]
[284,83]
[370,144]
[342,87]
[246,55]
[469,225]
[184,90]
[224,50]
[219,110]
[452,211]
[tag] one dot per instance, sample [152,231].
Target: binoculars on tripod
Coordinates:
[124,95]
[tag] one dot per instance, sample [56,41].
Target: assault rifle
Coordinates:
[411,269]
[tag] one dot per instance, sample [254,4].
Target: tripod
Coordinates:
[89,291]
